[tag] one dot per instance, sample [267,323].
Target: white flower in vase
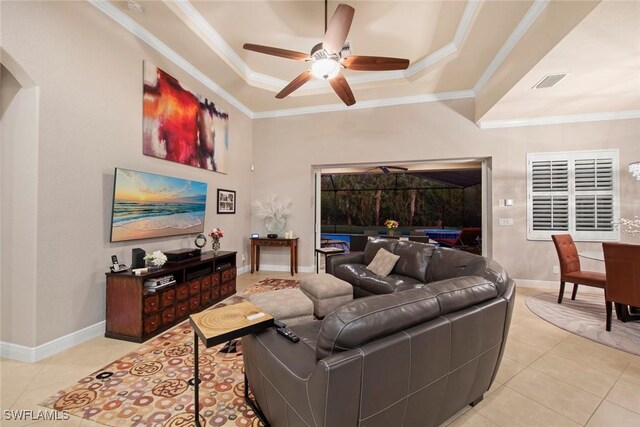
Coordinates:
[156,258]
[274,212]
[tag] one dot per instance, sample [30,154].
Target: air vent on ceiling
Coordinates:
[549,81]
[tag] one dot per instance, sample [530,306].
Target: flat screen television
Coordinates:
[146,205]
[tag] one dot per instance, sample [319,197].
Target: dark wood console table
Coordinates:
[135,314]
[292,244]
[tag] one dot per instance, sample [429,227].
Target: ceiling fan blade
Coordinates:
[342,89]
[276,51]
[295,84]
[338,29]
[374,63]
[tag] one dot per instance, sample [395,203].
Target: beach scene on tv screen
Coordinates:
[148,205]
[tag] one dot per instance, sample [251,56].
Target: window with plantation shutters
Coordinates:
[574,193]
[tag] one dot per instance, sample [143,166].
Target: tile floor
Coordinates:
[548,377]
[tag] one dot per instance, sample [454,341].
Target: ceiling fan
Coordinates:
[327,58]
[386,169]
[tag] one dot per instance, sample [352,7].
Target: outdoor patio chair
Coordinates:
[622,263]
[468,240]
[570,267]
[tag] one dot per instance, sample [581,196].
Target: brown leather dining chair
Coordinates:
[622,263]
[570,267]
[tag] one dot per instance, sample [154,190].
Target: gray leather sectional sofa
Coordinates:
[412,356]
[419,263]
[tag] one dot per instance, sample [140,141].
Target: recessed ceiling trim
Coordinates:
[414,99]
[140,32]
[212,38]
[465,22]
[201,27]
[143,34]
[554,120]
[435,57]
[523,26]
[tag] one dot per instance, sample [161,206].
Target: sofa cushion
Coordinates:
[351,272]
[366,319]
[414,259]
[383,262]
[378,284]
[461,292]
[447,263]
[373,245]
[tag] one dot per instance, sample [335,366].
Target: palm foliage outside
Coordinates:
[353,203]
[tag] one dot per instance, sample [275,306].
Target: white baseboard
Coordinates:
[243,270]
[278,267]
[539,284]
[33,354]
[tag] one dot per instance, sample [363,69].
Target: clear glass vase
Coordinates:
[215,246]
[275,225]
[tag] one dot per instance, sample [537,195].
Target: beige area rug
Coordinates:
[150,386]
[586,317]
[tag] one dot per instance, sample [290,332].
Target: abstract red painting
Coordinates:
[181,126]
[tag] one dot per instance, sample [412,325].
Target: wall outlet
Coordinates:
[506,221]
[556,269]
[244,258]
[501,203]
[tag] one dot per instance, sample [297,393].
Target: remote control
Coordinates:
[288,334]
[279,324]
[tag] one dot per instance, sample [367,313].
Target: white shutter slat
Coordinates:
[594,212]
[550,175]
[593,174]
[550,213]
[575,192]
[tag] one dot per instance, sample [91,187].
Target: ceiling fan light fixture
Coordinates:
[325,68]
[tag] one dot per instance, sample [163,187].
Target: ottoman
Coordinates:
[327,292]
[290,306]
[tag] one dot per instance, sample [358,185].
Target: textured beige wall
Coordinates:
[555,22]
[18,202]
[285,149]
[88,71]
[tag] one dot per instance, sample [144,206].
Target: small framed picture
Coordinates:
[226,201]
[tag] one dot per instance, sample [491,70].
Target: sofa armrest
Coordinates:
[287,379]
[271,361]
[335,260]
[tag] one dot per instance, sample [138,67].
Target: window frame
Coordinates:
[571,157]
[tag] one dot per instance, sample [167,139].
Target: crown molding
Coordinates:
[137,30]
[134,28]
[554,120]
[373,103]
[523,26]
[212,38]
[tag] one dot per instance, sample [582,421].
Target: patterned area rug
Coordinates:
[586,317]
[151,386]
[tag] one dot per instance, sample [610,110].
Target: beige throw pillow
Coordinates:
[383,263]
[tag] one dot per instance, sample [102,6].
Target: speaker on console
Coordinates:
[137,258]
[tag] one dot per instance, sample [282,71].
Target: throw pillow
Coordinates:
[383,263]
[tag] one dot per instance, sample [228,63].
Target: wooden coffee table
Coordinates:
[220,325]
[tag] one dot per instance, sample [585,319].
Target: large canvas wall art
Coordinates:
[182,126]
[147,205]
